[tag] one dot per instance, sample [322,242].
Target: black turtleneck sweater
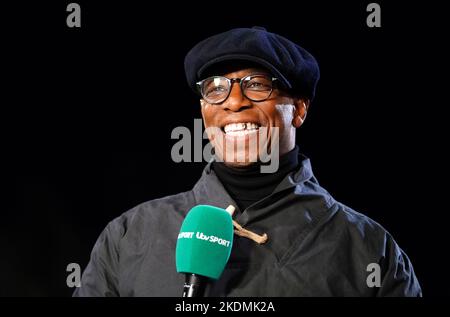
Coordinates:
[248,185]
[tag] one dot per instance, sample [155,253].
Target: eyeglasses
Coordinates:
[216,89]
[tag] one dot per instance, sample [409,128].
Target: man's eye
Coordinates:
[215,90]
[258,86]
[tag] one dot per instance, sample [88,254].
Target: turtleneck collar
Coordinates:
[248,185]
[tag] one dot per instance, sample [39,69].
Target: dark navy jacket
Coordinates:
[316,247]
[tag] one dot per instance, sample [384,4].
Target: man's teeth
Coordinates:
[238,129]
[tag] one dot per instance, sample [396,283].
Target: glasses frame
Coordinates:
[240,81]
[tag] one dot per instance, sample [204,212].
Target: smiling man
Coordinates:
[255,122]
[255,88]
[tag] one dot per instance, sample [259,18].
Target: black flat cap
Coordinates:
[296,69]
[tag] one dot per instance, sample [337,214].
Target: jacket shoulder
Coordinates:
[154,213]
[128,235]
[369,244]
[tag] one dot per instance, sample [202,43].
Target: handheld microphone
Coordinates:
[203,247]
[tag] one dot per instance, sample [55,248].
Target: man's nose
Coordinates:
[237,101]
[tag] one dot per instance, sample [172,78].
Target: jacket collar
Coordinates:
[210,191]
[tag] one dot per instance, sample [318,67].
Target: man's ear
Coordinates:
[300,112]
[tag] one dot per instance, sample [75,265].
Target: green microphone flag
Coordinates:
[205,241]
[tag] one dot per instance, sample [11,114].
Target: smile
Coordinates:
[240,129]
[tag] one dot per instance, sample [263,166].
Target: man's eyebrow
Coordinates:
[260,73]
[249,74]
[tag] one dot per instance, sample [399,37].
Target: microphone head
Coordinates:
[205,241]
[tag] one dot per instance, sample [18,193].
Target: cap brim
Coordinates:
[240,57]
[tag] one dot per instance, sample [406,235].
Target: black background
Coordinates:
[87,116]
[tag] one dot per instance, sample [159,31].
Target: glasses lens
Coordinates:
[257,87]
[215,89]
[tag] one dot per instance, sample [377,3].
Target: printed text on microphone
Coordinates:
[204,237]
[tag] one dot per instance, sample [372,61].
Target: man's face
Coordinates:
[234,121]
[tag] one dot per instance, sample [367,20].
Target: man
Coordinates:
[255,88]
